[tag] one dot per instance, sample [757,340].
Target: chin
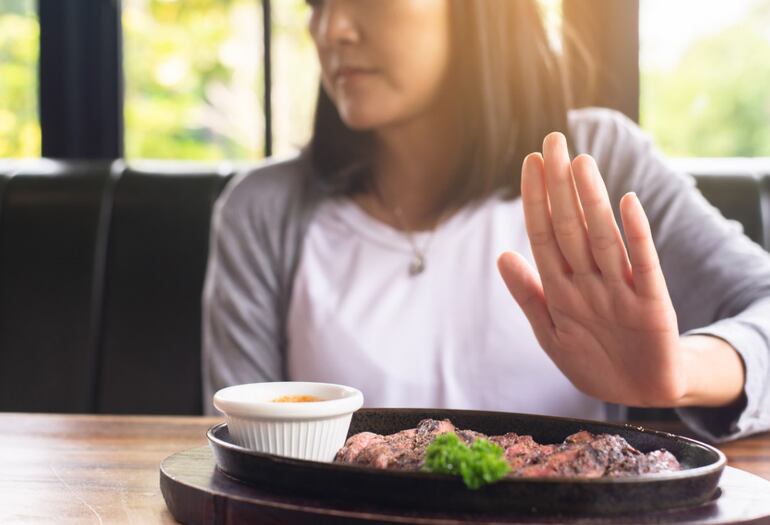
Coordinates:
[361,120]
[366,113]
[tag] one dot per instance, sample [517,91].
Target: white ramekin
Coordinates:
[313,430]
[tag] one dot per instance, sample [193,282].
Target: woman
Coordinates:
[369,259]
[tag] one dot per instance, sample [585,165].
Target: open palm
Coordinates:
[600,311]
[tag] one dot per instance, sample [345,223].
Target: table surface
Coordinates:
[104,469]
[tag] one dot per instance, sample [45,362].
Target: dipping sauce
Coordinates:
[296,399]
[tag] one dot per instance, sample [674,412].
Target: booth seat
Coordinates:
[102,266]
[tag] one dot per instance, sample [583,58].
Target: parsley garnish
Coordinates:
[479,464]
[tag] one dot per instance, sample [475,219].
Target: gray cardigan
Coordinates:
[718,279]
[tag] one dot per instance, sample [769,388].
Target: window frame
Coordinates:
[81,85]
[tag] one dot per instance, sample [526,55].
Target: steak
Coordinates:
[404,450]
[582,454]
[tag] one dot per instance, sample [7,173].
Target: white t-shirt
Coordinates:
[450,337]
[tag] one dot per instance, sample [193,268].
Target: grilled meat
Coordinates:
[404,450]
[580,455]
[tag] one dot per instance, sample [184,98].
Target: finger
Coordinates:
[566,212]
[537,216]
[645,266]
[525,287]
[604,237]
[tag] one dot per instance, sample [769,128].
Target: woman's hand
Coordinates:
[600,311]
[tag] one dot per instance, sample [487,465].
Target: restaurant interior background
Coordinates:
[120,122]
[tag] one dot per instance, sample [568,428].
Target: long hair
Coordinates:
[506,80]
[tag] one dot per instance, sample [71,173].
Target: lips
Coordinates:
[348,73]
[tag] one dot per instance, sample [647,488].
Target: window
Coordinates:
[705,79]
[19,48]
[193,79]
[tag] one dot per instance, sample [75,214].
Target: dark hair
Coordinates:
[508,82]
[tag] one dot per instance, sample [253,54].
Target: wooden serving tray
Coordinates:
[197,492]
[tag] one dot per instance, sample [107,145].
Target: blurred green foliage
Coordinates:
[19,35]
[716,102]
[193,79]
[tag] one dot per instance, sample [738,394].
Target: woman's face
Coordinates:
[383,62]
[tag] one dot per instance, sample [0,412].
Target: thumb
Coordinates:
[525,287]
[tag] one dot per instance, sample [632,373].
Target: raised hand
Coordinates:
[599,309]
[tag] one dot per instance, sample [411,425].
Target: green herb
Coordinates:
[479,464]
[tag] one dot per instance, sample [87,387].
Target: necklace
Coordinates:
[417,266]
[418,262]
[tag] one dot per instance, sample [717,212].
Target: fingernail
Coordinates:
[506,260]
[554,135]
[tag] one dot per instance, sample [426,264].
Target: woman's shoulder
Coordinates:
[625,154]
[271,188]
[601,132]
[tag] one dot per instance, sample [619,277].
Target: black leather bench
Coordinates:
[101,270]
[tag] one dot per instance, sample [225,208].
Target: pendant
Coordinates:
[417,266]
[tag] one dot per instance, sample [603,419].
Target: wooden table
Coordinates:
[104,469]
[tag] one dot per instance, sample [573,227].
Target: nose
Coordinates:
[336,23]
